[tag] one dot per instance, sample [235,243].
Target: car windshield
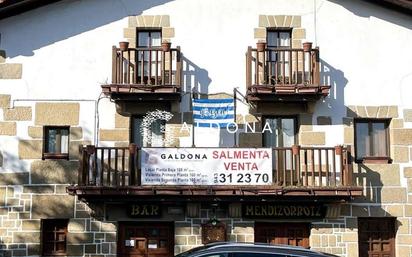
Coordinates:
[184,254]
[283,247]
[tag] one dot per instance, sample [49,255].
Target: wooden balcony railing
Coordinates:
[293,167]
[145,69]
[284,71]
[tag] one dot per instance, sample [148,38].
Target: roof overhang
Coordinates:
[10,8]
[13,7]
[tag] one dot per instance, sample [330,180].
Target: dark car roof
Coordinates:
[226,247]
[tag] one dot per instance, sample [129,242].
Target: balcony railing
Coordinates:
[145,70]
[295,169]
[284,71]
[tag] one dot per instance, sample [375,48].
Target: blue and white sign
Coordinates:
[213,112]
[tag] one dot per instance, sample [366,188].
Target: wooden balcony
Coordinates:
[284,75]
[323,173]
[145,74]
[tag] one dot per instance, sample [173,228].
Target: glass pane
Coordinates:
[379,139]
[288,132]
[272,39]
[52,141]
[144,39]
[64,141]
[157,133]
[152,244]
[270,138]
[284,39]
[288,138]
[273,57]
[154,64]
[362,140]
[156,38]
[145,69]
[137,134]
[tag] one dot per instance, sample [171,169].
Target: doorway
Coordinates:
[146,239]
[376,237]
[295,234]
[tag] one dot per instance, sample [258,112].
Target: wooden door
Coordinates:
[376,237]
[295,234]
[146,239]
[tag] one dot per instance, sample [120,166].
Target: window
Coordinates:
[54,233]
[372,140]
[151,136]
[279,38]
[56,142]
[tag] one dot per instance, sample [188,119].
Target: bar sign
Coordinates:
[144,210]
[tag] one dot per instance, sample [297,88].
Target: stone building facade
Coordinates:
[60,81]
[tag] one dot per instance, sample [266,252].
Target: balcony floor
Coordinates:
[287,93]
[141,92]
[216,193]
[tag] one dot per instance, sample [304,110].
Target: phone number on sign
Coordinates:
[241,178]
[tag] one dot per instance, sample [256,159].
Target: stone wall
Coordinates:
[188,233]
[9,70]
[40,192]
[281,21]
[32,189]
[24,205]
[387,187]
[148,21]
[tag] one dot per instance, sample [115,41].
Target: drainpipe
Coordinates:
[314,22]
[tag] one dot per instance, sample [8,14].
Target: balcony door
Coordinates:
[149,134]
[279,61]
[294,234]
[281,132]
[149,61]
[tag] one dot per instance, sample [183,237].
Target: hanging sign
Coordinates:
[206,166]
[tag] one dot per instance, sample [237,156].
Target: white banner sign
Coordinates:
[206,166]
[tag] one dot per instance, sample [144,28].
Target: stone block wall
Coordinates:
[88,235]
[148,21]
[22,207]
[387,187]
[9,70]
[32,189]
[188,233]
[281,21]
[39,191]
